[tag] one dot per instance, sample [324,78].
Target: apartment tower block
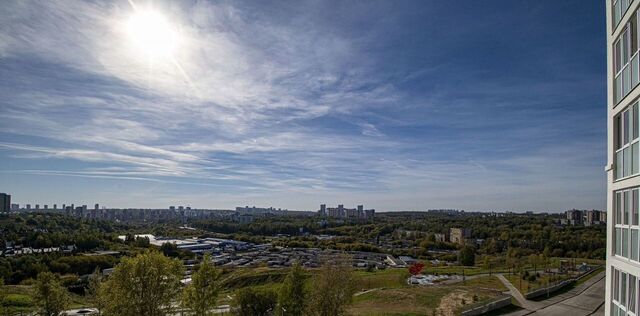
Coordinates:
[623,158]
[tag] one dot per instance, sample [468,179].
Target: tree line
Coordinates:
[151,284]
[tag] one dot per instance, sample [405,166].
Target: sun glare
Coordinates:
[152,34]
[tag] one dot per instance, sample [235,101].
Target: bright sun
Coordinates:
[152,34]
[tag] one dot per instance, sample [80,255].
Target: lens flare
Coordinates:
[152,34]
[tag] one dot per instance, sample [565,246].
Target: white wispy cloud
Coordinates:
[255,105]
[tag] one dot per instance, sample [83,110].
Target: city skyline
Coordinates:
[412,105]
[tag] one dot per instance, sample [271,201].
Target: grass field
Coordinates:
[489,282]
[525,286]
[384,292]
[19,298]
[426,300]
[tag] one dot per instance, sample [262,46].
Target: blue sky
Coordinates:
[398,105]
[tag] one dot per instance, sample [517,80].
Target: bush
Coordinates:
[467,256]
[18,300]
[253,302]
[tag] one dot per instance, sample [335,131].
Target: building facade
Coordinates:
[458,235]
[346,213]
[623,158]
[5,202]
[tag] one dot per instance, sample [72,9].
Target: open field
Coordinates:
[19,298]
[426,300]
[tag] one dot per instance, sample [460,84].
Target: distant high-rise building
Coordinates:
[441,237]
[458,235]
[55,206]
[28,207]
[96,207]
[358,213]
[5,202]
[575,217]
[592,217]
[37,206]
[369,214]
[623,158]
[15,207]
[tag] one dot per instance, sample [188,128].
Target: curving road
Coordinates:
[583,300]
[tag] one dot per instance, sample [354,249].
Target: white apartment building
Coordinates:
[623,166]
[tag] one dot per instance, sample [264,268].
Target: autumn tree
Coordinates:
[333,289]
[416,268]
[201,294]
[50,296]
[143,285]
[292,295]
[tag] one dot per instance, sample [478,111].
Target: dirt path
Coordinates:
[452,301]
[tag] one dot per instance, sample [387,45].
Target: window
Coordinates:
[626,233]
[634,158]
[616,285]
[632,294]
[618,241]
[637,293]
[625,242]
[628,125]
[634,207]
[626,61]
[618,208]
[627,204]
[634,121]
[634,244]
[627,145]
[623,289]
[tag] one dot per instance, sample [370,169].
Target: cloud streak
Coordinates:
[293,106]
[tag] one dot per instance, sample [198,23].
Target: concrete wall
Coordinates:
[500,302]
[553,288]
[550,289]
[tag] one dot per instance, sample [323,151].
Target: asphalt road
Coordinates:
[584,303]
[583,300]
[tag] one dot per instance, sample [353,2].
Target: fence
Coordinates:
[550,289]
[500,302]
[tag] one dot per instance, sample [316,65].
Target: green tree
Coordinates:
[93,289]
[487,263]
[200,296]
[49,294]
[292,295]
[467,256]
[169,249]
[250,301]
[333,289]
[143,285]
[2,295]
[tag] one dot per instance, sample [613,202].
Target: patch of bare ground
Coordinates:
[452,302]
